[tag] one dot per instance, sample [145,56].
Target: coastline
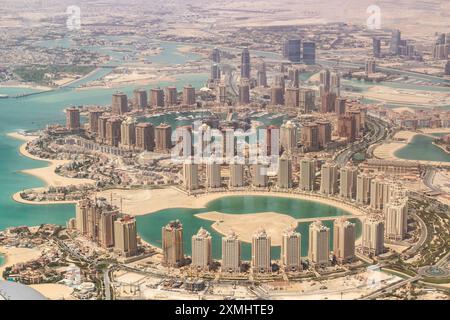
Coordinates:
[441,147]
[387,150]
[46,174]
[15,255]
[26,86]
[137,202]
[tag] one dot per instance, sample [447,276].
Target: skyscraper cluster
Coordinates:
[261,244]
[102,223]
[125,132]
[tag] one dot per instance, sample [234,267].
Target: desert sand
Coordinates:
[53,291]
[403,96]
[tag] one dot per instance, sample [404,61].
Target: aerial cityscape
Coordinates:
[225,150]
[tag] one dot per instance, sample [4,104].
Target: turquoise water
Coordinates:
[149,226]
[13,91]
[35,112]
[422,148]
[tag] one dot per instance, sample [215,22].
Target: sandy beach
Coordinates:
[386,151]
[16,84]
[47,174]
[142,202]
[245,225]
[15,255]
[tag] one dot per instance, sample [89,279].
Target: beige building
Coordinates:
[259,175]
[213,176]
[163,138]
[307,174]
[222,94]
[244,92]
[340,106]
[379,193]
[94,116]
[189,95]
[306,100]
[81,216]
[140,99]
[373,236]
[324,133]
[125,235]
[396,219]
[288,136]
[319,244]
[276,96]
[102,120]
[363,182]
[261,255]
[113,131]
[171,96]
[310,136]
[201,250]
[190,174]
[145,136]
[236,173]
[344,237]
[128,133]
[329,178]
[119,103]
[284,172]
[231,253]
[105,228]
[291,250]
[156,97]
[292,98]
[95,220]
[172,244]
[348,182]
[73,119]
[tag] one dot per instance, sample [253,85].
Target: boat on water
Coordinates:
[4,96]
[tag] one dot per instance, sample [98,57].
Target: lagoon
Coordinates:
[149,226]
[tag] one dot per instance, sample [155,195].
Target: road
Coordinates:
[390,288]
[107,283]
[378,133]
[429,177]
[423,236]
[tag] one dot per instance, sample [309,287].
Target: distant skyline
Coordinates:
[434,14]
